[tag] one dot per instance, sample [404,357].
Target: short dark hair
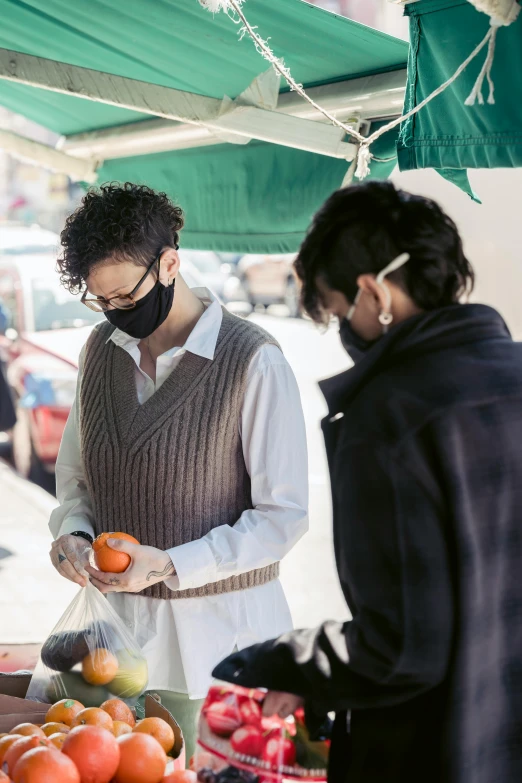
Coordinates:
[116,222]
[362,228]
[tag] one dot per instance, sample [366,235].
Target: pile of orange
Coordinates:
[93,745]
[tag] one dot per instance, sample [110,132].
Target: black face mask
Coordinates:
[355,346]
[150,312]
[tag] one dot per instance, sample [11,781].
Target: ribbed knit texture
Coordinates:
[169,471]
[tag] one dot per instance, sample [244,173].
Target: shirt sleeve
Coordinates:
[75,510]
[274,447]
[393,560]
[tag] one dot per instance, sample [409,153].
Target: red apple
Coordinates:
[223,719]
[250,713]
[248,740]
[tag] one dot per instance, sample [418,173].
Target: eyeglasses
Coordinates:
[122,302]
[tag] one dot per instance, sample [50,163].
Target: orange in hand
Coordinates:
[159,729]
[99,667]
[93,716]
[108,559]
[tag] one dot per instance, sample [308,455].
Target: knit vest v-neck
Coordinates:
[171,470]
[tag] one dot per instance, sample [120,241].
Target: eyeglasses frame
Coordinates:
[106,303]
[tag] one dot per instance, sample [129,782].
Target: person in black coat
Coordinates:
[424,444]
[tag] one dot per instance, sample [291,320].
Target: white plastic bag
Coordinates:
[90,656]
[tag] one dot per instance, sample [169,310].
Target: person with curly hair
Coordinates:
[188,434]
[424,440]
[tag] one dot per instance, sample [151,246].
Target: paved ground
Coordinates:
[32,596]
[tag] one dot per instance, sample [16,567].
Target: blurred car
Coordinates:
[220,277]
[269,280]
[48,327]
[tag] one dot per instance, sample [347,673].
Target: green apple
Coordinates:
[132,677]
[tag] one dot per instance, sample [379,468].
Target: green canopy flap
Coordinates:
[446,134]
[254,196]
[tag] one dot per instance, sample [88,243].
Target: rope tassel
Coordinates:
[485,73]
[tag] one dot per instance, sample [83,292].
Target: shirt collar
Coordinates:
[203,338]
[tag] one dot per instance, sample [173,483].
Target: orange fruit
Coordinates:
[5,744]
[64,711]
[95,753]
[21,746]
[120,728]
[53,728]
[93,716]
[159,729]
[58,739]
[27,729]
[108,559]
[4,778]
[45,765]
[142,759]
[119,711]
[180,776]
[99,667]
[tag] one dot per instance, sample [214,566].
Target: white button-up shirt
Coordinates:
[184,639]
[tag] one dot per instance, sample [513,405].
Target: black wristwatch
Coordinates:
[81,534]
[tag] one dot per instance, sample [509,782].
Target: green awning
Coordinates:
[257,197]
[447,134]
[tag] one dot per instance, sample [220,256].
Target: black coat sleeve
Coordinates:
[393,565]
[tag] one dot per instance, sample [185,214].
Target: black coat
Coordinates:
[424,442]
[7,410]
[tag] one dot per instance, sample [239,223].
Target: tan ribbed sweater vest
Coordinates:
[169,471]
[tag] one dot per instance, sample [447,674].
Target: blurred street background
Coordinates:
[53,326]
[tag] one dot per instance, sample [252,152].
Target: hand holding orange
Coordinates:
[110,560]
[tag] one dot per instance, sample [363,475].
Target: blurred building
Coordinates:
[28,193]
[381,14]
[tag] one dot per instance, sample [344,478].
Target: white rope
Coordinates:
[485,72]
[364,155]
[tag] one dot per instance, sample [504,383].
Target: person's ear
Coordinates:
[378,293]
[169,265]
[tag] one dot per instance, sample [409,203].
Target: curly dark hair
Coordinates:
[116,223]
[362,228]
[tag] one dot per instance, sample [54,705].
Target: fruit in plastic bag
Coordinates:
[99,667]
[72,685]
[62,651]
[100,656]
[132,676]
